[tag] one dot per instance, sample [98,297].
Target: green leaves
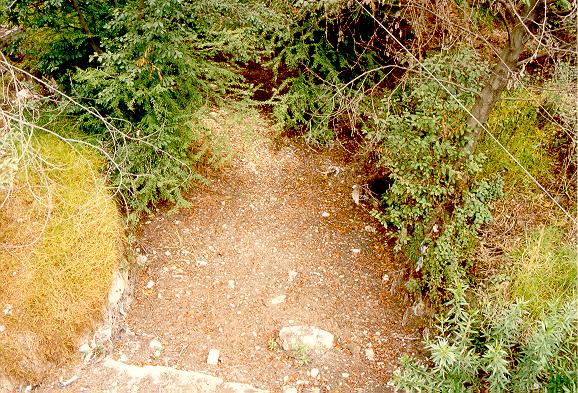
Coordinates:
[496,348]
[421,130]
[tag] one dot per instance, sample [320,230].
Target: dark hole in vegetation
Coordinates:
[380,184]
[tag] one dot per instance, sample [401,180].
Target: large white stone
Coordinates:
[309,336]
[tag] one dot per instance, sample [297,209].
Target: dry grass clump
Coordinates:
[61,240]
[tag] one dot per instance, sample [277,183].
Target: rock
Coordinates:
[84,349]
[289,389]
[231,284]
[370,229]
[314,372]
[325,214]
[123,358]
[278,299]
[103,335]
[141,260]
[292,275]
[309,336]
[345,375]
[213,357]
[8,309]
[369,354]
[117,288]
[2,328]
[167,253]
[150,284]
[355,250]
[69,381]
[157,348]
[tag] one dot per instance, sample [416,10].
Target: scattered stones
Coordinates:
[314,372]
[309,336]
[157,348]
[278,299]
[213,357]
[150,284]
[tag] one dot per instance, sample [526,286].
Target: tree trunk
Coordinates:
[490,94]
[85,27]
[492,91]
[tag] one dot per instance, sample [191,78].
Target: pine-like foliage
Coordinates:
[151,79]
[496,347]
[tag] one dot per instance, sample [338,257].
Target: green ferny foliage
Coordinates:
[152,78]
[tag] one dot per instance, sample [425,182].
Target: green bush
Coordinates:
[496,347]
[420,130]
[333,59]
[151,80]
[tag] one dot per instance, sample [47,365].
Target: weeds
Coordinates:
[300,353]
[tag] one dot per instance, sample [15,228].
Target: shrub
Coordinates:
[61,241]
[152,79]
[496,347]
[420,130]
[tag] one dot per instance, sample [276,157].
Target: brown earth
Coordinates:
[276,222]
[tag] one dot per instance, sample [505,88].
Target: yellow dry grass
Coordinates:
[60,240]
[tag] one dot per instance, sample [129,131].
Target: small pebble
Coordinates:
[345,375]
[278,299]
[213,357]
[314,372]
[325,214]
[232,284]
[150,284]
[369,354]
[84,348]
[141,260]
